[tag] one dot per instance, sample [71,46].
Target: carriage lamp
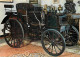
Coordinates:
[54,10]
[51,8]
[60,8]
[45,8]
[48,8]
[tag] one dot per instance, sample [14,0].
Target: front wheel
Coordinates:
[71,35]
[53,42]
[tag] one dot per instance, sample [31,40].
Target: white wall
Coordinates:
[77,6]
[48,2]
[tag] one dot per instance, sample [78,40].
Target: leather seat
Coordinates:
[25,6]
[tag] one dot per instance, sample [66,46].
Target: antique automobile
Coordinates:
[30,22]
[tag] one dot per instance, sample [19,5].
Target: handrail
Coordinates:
[37,19]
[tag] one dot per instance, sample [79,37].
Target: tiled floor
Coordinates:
[7,51]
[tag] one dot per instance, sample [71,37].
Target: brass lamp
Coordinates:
[60,8]
[45,8]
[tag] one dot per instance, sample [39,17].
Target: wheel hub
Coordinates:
[52,43]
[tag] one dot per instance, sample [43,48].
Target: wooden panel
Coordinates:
[23,12]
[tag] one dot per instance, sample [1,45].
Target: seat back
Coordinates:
[23,8]
[27,9]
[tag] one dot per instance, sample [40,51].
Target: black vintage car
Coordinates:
[30,22]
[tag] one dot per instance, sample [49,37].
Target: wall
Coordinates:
[48,2]
[77,6]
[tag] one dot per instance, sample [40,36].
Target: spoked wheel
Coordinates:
[71,36]
[53,42]
[14,33]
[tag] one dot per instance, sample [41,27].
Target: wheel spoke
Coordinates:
[52,49]
[59,42]
[49,40]
[49,35]
[11,41]
[17,41]
[14,42]
[49,46]
[71,40]
[55,49]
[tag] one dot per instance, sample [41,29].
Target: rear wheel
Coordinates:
[71,36]
[53,42]
[14,33]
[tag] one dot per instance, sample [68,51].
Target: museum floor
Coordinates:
[34,49]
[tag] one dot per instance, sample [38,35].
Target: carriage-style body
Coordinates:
[32,23]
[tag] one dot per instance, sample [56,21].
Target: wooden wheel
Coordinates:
[71,36]
[14,33]
[53,42]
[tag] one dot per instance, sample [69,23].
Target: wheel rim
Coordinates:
[53,43]
[71,36]
[13,33]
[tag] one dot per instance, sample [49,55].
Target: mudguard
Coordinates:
[11,16]
[5,19]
